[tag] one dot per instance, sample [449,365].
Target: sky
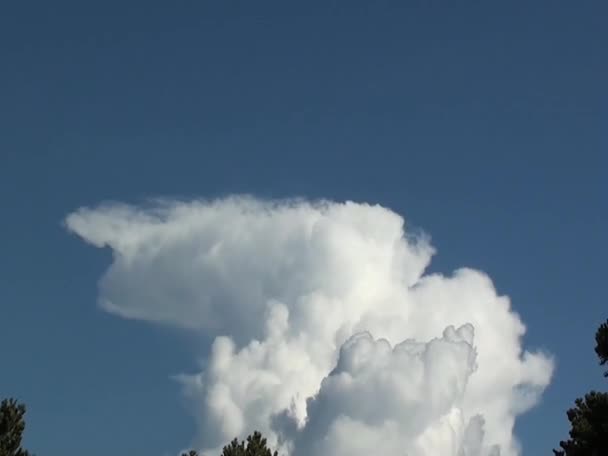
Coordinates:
[481,124]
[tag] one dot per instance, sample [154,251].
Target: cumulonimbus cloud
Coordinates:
[328,335]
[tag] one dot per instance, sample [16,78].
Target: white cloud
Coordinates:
[315,308]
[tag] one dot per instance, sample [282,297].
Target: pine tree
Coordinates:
[589,417]
[255,445]
[190,453]
[601,347]
[12,425]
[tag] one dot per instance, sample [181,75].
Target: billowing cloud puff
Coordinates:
[328,335]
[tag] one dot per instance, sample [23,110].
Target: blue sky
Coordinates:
[483,123]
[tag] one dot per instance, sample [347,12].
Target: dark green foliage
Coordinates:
[601,348]
[254,446]
[589,433]
[12,425]
[589,417]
